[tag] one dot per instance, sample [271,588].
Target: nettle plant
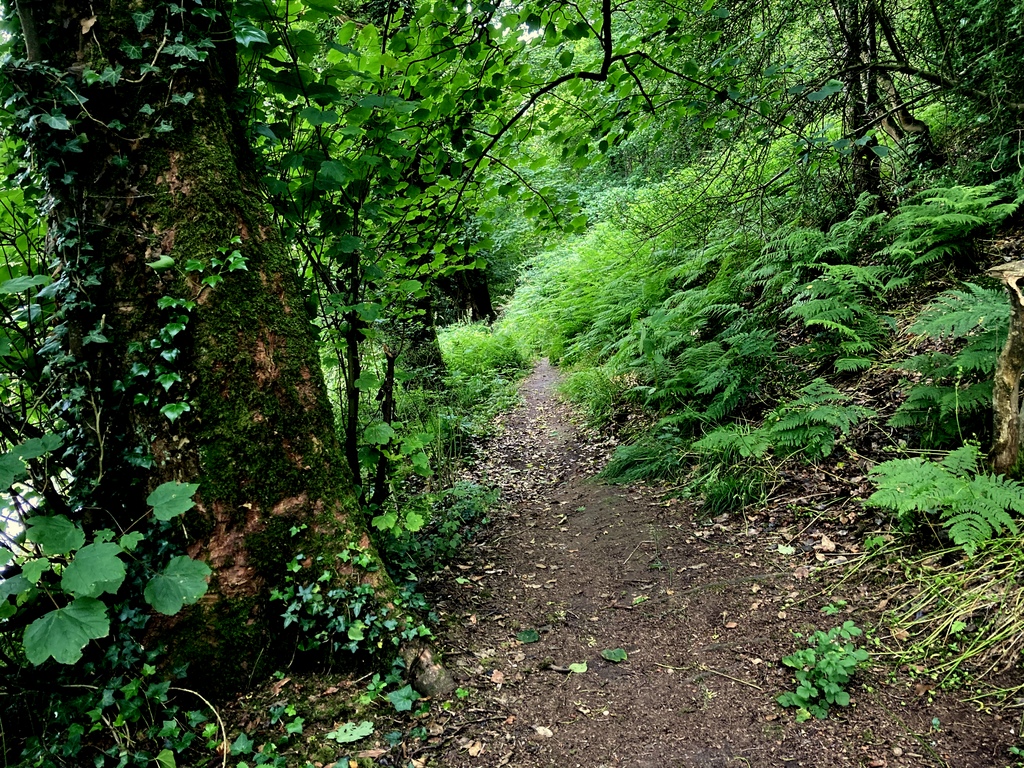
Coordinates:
[823,671]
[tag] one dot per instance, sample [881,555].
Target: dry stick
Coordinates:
[635,549]
[223,730]
[713,671]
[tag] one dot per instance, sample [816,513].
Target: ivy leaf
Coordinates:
[57,122]
[181,583]
[355,631]
[165,759]
[172,499]
[403,699]
[142,19]
[63,633]
[614,655]
[247,35]
[528,636]
[351,732]
[174,410]
[55,535]
[242,745]
[96,569]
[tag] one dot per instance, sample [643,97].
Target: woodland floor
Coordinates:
[705,610]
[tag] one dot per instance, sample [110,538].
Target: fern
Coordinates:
[807,425]
[973,507]
[957,389]
[842,302]
[942,223]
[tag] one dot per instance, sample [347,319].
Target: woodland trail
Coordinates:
[704,610]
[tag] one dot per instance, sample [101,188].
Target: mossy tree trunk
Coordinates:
[202,370]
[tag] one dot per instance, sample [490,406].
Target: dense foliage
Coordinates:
[720,220]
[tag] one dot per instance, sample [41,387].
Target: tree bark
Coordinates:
[161,170]
[1005,453]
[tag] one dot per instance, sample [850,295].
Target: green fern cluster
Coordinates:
[843,304]
[955,397]
[973,507]
[941,224]
[808,425]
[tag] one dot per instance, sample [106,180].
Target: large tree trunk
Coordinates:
[259,436]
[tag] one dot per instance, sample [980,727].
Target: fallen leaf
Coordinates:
[901,634]
[802,572]
[475,749]
[497,677]
[731,625]
[276,687]
[87,24]
[785,549]
[827,545]
[371,753]
[544,733]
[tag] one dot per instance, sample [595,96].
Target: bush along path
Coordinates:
[603,626]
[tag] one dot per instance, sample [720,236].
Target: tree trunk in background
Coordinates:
[1005,453]
[259,436]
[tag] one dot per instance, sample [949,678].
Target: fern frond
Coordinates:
[973,507]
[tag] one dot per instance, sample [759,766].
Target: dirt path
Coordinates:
[704,611]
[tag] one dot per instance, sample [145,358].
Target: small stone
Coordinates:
[897,751]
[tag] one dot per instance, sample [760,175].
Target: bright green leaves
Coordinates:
[55,535]
[614,655]
[182,583]
[351,732]
[97,568]
[172,499]
[403,699]
[830,88]
[88,571]
[63,633]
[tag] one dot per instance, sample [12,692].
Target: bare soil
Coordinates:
[705,610]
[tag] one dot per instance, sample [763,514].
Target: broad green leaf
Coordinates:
[63,633]
[173,411]
[38,446]
[355,631]
[12,469]
[165,759]
[55,535]
[830,88]
[33,570]
[181,583]
[247,35]
[613,654]
[414,522]
[130,541]
[96,569]
[19,284]
[57,122]
[528,636]
[403,699]
[378,434]
[242,745]
[351,732]
[172,499]
[579,668]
